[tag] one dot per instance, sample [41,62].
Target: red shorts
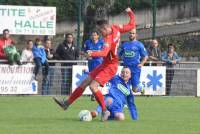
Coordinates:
[104,72]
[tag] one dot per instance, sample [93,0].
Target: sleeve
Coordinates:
[23,56]
[2,55]
[44,57]
[105,49]
[132,107]
[130,25]
[34,50]
[159,54]
[58,53]
[143,51]
[121,51]
[77,52]
[85,46]
[165,58]
[113,80]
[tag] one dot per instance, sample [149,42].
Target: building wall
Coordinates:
[144,17]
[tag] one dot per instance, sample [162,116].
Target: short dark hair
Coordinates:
[173,45]
[29,41]
[68,34]
[94,31]
[102,22]
[126,67]
[38,39]
[5,30]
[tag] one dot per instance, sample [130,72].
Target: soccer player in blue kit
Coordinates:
[120,94]
[134,56]
[94,44]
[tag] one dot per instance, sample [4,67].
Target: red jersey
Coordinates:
[112,40]
[3,43]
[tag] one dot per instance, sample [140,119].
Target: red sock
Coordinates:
[75,95]
[100,99]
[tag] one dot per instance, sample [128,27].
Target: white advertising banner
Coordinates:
[17,80]
[152,79]
[28,20]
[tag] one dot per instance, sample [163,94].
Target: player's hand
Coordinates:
[140,65]
[128,9]
[89,53]
[174,62]
[84,54]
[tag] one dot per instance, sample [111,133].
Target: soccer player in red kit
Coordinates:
[104,72]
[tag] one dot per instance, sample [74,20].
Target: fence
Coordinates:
[182,80]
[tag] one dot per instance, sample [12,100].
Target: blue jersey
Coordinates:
[119,90]
[94,61]
[131,53]
[122,94]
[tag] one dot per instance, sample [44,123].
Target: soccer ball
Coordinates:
[85,115]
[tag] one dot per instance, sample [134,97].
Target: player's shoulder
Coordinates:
[139,43]
[87,42]
[115,79]
[115,26]
[101,41]
[125,43]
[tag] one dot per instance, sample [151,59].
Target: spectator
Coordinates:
[50,55]
[67,51]
[93,44]
[40,59]
[8,50]
[171,58]
[134,56]
[154,52]
[27,54]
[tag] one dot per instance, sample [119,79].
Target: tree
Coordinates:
[94,10]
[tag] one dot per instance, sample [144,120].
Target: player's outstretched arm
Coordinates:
[132,107]
[131,24]
[102,53]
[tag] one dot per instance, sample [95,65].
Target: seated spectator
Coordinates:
[40,59]
[27,54]
[171,58]
[8,50]
[67,51]
[50,55]
[154,52]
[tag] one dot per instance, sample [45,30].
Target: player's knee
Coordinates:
[86,82]
[119,116]
[94,87]
[109,101]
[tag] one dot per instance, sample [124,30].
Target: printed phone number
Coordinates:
[8,89]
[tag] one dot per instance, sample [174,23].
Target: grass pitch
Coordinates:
[40,115]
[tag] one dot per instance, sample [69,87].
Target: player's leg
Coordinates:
[37,67]
[135,81]
[116,109]
[98,111]
[75,95]
[100,99]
